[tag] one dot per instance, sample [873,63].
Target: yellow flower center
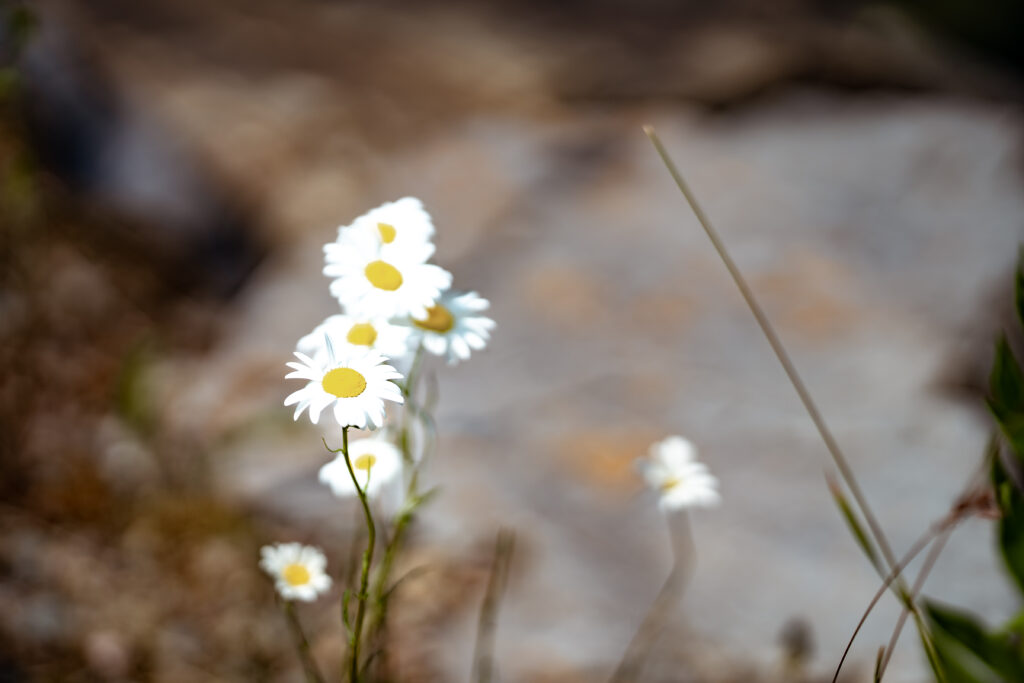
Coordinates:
[344,383]
[365,462]
[439,319]
[383,275]
[362,334]
[670,483]
[387,233]
[295,575]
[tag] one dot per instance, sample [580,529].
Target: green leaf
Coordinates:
[1006,395]
[931,650]
[968,651]
[853,522]
[1011,525]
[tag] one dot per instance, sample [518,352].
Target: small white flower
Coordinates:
[672,469]
[453,326]
[298,570]
[399,226]
[356,383]
[393,283]
[376,462]
[375,334]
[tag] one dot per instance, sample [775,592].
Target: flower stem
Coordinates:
[409,393]
[381,592]
[355,638]
[670,593]
[301,643]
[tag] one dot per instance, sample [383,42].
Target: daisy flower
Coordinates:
[671,468]
[395,226]
[376,462]
[369,281]
[375,334]
[298,570]
[356,383]
[453,326]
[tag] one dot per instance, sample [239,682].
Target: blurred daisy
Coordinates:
[393,284]
[452,326]
[375,334]
[402,225]
[671,468]
[376,462]
[298,570]
[356,383]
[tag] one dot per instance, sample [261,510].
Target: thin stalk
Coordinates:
[409,393]
[380,590]
[926,568]
[798,384]
[780,351]
[301,643]
[483,651]
[391,550]
[914,551]
[355,638]
[381,593]
[650,626]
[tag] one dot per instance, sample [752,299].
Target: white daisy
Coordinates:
[356,382]
[672,469]
[393,284]
[376,462]
[298,570]
[375,334]
[453,326]
[395,226]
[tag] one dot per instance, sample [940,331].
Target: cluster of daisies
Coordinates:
[395,305]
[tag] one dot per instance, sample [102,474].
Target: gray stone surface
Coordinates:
[874,232]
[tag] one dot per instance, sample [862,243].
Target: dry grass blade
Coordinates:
[483,651]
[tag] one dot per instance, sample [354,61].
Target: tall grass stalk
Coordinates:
[841,463]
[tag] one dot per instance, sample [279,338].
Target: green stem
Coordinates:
[409,393]
[926,568]
[915,549]
[301,643]
[364,577]
[392,547]
[355,638]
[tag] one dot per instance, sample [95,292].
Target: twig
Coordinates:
[483,651]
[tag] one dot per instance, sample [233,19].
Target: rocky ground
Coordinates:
[879,229]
